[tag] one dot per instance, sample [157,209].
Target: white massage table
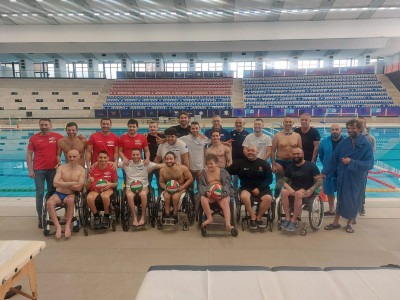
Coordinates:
[256,283]
[17,259]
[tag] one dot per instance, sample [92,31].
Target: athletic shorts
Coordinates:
[283,163]
[262,193]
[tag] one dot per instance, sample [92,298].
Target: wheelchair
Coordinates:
[315,206]
[76,218]
[216,210]
[186,211]
[126,216]
[115,208]
[268,217]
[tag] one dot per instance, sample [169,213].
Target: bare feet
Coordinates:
[228,227]
[58,233]
[141,222]
[67,232]
[206,222]
[135,222]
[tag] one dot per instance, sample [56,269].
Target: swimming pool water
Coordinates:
[15,182]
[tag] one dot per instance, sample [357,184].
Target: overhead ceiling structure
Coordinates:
[73,30]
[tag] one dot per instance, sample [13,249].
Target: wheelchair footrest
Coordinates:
[169,221]
[183,218]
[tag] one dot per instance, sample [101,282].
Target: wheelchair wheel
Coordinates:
[238,209]
[203,231]
[124,213]
[316,213]
[86,232]
[117,203]
[279,214]
[114,225]
[234,232]
[159,225]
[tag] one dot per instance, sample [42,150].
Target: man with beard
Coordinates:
[103,140]
[183,128]
[255,177]
[43,147]
[282,146]
[302,179]
[181,174]
[325,150]
[178,147]
[352,159]
[70,178]
[221,151]
[260,140]
[72,141]
[137,170]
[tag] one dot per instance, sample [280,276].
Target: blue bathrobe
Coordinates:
[352,177]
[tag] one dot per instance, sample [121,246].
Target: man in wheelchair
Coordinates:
[70,178]
[179,173]
[255,176]
[106,171]
[302,179]
[136,170]
[210,176]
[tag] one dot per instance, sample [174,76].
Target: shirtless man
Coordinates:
[136,169]
[282,145]
[215,175]
[72,141]
[173,172]
[221,151]
[70,178]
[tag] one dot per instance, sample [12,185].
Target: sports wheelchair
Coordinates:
[76,218]
[126,216]
[114,217]
[216,210]
[268,217]
[186,211]
[315,206]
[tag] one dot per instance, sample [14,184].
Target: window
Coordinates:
[54,93]
[239,67]
[341,63]
[43,70]
[86,108]
[144,67]
[75,93]
[43,108]
[18,100]
[35,93]
[280,64]
[81,100]
[11,69]
[60,100]
[176,67]
[39,100]
[310,64]
[22,108]
[65,108]
[110,69]
[1,108]
[14,93]
[209,66]
[95,93]
[77,70]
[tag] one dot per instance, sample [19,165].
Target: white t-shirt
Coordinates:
[178,148]
[137,172]
[261,142]
[196,147]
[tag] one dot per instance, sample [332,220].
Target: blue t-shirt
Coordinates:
[237,141]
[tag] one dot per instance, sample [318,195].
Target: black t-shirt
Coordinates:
[335,143]
[153,146]
[301,177]
[252,174]
[182,131]
[237,141]
[307,141]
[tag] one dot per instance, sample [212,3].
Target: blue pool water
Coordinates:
[15,182]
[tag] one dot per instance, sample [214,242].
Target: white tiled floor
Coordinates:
[112,265]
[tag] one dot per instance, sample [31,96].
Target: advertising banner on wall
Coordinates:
[264,112]
[252,112]
[100,113]
[239,112]
[278,112]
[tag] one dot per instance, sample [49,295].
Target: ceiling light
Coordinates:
[343,9]
[116,14]
[189,13]
[284,11]
[15,15]
[81,14]
[256,12]
[353,9]
[96,14]
[381,8]
[60,15]
[332,9]
[106,14]
[315,10]
[153,13]
[294,11]
[24,15]
[305,10]
[267,11]
[4,15]
[173,13]
[143,14]
[34,15]
[392,7]
[127,14]
[13,0]
[50,15]
[236,12]
[70,14]
[210,13]
[163,13]
[246,12]
[199,13]
[365,8]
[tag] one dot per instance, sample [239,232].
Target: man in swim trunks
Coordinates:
[72,141]
[221,151]
[70,178]
[281,154]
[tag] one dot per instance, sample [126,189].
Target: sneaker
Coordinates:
[105,222]
[40,224]
[291,226]
[362,211]
[285,224]
[96,223]
[253,224]
[261,224]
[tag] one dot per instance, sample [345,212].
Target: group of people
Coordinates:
[218,157]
